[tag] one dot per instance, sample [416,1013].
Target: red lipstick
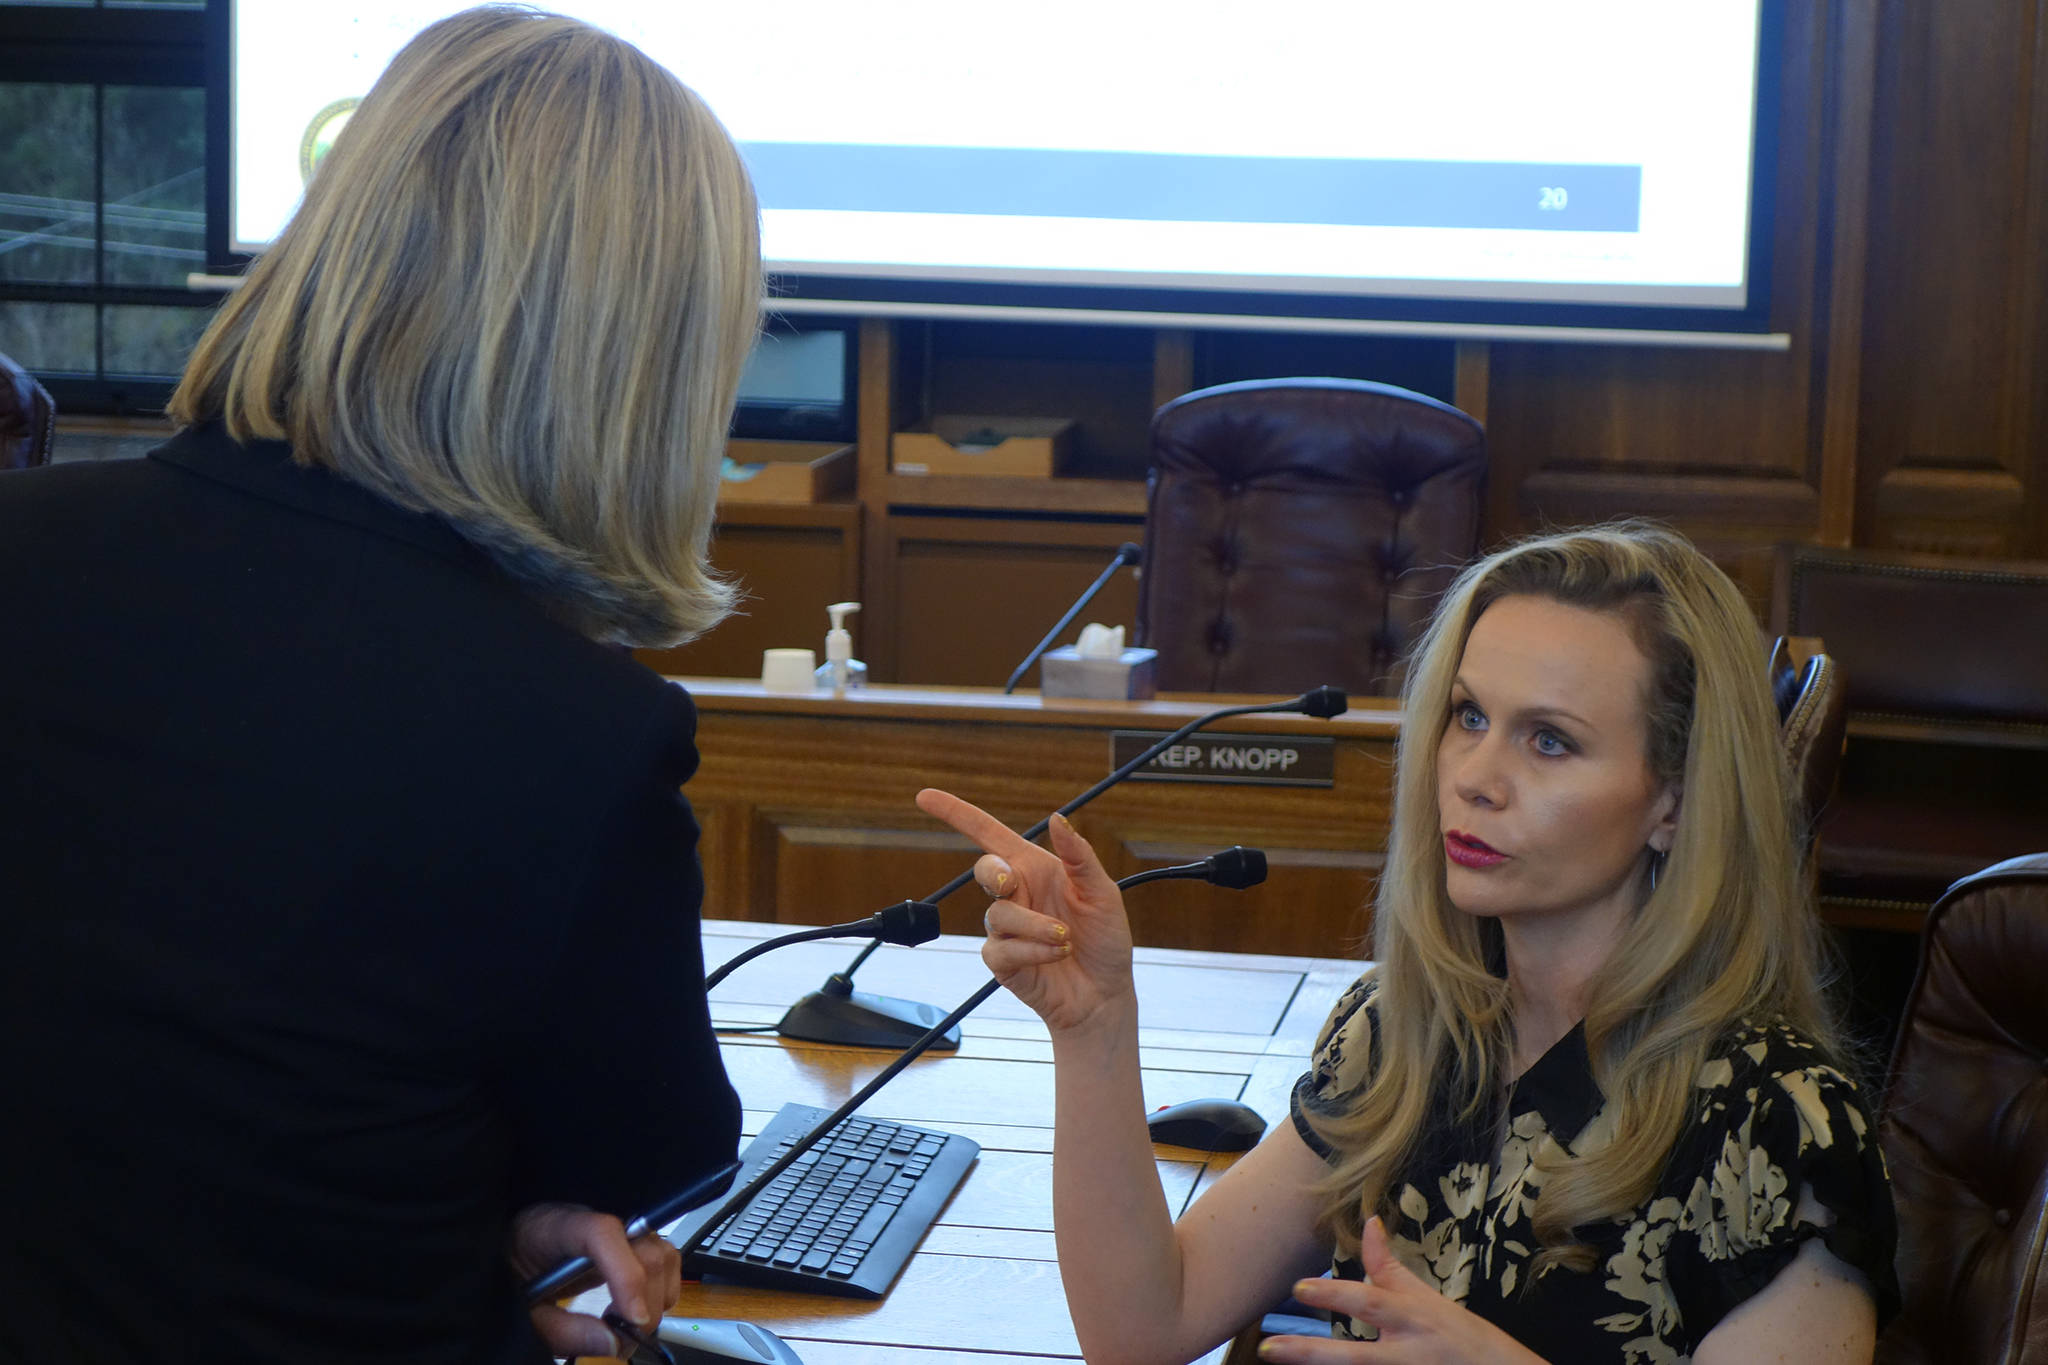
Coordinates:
[1466,851]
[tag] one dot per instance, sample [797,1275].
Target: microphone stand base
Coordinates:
[864,1020]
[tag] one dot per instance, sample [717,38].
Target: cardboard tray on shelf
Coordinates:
[786,471]
[1006,447]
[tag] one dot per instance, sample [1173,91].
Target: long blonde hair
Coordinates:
[519,294]
[1726,934]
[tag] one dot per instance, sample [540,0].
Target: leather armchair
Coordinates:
[1299,532]
[1965,1128]
[28,418]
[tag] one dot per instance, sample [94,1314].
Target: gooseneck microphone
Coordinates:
[1126,553]
[1235,867]
[836,1013]
[908,923]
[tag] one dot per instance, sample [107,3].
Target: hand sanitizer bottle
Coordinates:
[840,669]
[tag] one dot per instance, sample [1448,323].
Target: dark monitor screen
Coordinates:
[798,385]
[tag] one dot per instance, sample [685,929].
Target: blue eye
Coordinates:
[1468,717]
[1551,744]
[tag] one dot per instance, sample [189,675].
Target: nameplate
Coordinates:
[1257,760]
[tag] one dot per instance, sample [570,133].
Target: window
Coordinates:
[102,196]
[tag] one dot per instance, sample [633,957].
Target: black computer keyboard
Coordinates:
[846,1215]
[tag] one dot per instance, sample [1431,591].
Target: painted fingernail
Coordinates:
[1269,1350]
[1063,822]
[1002,882]
[1059,931]
[1064,950]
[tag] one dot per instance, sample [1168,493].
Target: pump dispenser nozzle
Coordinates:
[841,669]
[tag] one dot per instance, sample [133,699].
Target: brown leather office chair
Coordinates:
[28,418]
[1813,716]
[1299,532]
[1965,1127]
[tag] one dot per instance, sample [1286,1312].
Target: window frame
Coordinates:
[101,46]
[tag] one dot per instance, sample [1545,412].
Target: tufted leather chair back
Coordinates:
[28,418]
[1300,531]
[1813,717]
[1965,1127]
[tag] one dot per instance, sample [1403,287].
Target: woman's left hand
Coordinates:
[1418,1325]
[644,1276]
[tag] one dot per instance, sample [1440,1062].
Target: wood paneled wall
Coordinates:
[1731,445]
[1952,416]
[1910,258]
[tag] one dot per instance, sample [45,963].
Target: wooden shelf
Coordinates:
[740,512]
[1102,497]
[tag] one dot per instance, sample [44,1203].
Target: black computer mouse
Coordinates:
[1208,1125]
[720,1341]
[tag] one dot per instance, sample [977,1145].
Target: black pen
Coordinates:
[691,1196]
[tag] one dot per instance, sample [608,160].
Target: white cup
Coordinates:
[788,670]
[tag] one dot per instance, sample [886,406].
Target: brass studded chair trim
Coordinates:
[1965,1127]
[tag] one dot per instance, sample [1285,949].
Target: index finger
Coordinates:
[604,1242]
[991,834]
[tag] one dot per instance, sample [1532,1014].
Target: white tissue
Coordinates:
[1100,642]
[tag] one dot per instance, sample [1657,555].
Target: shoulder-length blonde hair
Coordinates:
[519,294]
[1727,932]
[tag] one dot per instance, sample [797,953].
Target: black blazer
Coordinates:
[347,905]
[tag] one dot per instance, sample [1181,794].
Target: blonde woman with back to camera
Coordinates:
[1587,1105]
[350,969]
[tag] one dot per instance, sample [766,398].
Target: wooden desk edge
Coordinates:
[1374,718]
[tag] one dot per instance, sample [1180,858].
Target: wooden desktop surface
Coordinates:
[806,807]
[985,1285]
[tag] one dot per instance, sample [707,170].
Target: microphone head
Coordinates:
[1237,867]
[1128,553]
[908,923]
[1323,702]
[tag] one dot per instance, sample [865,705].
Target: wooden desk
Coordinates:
[985,1285]
[806,806]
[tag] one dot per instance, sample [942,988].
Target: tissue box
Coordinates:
[1064,673]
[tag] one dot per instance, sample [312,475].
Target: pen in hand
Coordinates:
[556,1281]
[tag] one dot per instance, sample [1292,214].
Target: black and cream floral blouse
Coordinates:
[1774,1116]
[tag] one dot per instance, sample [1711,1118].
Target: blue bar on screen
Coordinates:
[1164,187]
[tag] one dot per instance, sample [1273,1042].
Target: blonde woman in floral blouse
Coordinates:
[1587,1106]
